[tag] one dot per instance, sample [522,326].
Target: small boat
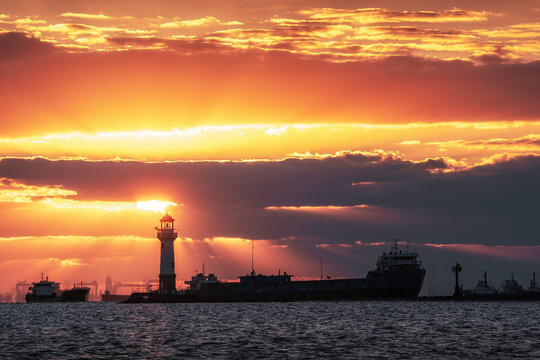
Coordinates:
[108,297]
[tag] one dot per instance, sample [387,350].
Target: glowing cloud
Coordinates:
[100,205]
[85,16]
[12,191]
[206,21]
[373,15]
[151,205]
[316,208]
[154,205]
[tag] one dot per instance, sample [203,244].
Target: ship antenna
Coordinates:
[252,269]
[321,267]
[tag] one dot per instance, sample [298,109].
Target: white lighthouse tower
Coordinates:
[166,235]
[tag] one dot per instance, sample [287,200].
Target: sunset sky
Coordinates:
[316,128]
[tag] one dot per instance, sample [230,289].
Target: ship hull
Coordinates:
[113,297]
[404,293]
[525,295]
[73,295]
[395,284]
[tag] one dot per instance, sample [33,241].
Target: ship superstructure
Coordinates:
[44,289]
[533,285]
[397,259]
[483,287]
[511,286]
[199,280]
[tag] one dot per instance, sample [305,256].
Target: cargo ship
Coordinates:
[49,291]
[398,274]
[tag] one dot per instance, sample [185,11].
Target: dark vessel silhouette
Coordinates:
[508,290]
[483,288]
[108,297]
[398,275]
[533,286]
[49,291]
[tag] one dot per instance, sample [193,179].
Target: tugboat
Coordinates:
[49,291]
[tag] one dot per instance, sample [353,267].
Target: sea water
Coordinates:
[307,330]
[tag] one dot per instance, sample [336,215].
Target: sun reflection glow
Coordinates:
[154,205]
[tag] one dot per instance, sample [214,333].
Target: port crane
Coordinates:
[21,288]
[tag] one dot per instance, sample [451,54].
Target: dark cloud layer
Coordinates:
[490,204]
[15,45]
[183,46]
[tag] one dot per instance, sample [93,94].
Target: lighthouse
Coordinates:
[166,235]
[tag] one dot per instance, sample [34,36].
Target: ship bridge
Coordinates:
[397,258]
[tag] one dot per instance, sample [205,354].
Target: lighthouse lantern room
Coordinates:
[167,275]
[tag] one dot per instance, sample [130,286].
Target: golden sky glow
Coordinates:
[313,127]
[469,142]
[154,205]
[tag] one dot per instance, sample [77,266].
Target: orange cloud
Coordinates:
[12,191]
[516,31]
[509,252]
[107,205]
[72,15]
[322,208]
[375,15]
[205,21]
[529,142]
[73,29]
[58,197]
[339,35]
[393,33]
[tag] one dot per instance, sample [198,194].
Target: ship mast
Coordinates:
[252,269]
[321,267]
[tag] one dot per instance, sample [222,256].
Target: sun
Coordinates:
[154,205]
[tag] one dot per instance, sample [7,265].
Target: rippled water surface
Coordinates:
[310,330]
